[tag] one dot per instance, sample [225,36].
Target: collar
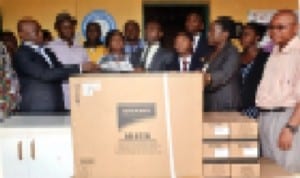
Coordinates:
[197,35]
[139,44]
[157,43]
[294,43]
[63,42]
[187,58]
[32,45]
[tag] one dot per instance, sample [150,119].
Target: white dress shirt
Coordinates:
[187,59]
[196,38]
[66,54]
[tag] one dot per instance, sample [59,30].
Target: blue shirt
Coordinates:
[134,48]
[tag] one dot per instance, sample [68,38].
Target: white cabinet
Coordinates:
[13,146]
[36,153]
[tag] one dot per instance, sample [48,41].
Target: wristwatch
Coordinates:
[293,129]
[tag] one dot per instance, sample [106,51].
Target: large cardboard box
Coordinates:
[229,125]
[137,125]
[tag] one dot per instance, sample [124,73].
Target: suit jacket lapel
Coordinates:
[219,57]
[155,60]
[51,56]
[177,63]
[35,52]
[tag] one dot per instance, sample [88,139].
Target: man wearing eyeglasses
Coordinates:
[278,94]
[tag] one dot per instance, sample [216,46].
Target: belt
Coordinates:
[276,109]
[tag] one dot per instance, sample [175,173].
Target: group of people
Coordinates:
[254,82]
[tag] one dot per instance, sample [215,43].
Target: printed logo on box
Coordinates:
[130,113]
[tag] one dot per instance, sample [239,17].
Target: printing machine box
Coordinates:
[137,125]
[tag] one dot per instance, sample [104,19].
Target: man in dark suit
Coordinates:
[194,24]
[184,62]
[154,57]
[39,71]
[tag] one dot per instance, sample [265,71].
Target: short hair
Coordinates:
[259,29]
[153,21]
[227,24]
[89,25]
[196,13]
[97,25]
[185,34]
[111,34]
[62,17]
[131,22]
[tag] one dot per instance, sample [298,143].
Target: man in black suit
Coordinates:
[194,24]
[154,57]
[184,62]
[39,71]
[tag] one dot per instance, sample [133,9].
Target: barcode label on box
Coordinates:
[221,153]
[250,152]
[88,89]
[221,130]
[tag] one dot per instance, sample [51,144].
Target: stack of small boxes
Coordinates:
[230,146]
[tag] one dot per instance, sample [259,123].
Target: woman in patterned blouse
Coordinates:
[253,60]
[9,85]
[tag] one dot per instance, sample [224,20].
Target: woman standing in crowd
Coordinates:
[116,60]
[222,68]
[253,60]
[93,43]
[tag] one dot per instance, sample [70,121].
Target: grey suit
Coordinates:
[162,59]
[223,94]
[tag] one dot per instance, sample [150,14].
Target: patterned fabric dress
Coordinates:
[251,111]
[9,86]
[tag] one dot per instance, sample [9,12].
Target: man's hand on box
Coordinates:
[89,67]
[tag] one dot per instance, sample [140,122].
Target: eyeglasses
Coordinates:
[279,27]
